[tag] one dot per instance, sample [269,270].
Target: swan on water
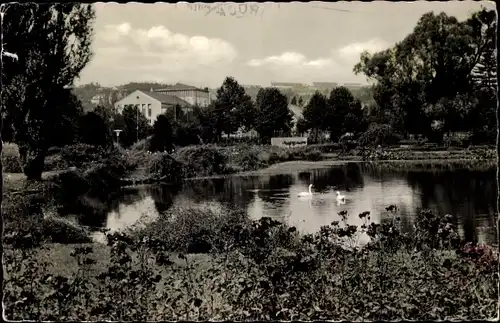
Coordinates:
[340,197]
[307,193]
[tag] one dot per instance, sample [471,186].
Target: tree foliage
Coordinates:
[162,137]
[344,113]
[272,113]
[53,43]
[232,109]
[95,130]
[135,125]
[434,73]
[316,113]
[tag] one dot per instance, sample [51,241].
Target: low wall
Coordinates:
[289,141]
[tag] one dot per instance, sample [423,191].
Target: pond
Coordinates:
[467,191]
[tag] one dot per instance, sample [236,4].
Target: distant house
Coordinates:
[97,99]
[151,104]
[188,93]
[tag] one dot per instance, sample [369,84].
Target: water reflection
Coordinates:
[469,194]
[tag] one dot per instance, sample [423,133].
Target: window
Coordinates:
[149,110]
[144,108]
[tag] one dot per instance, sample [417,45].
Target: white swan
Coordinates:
[307,193]
[340,197]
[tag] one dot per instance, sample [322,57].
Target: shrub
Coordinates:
[193,229]
[379,134]
[307,153]
[250,157]
[202,160]
[165,168]
[59,230]
[141,145]
[55,162]
[11,160]
[257,270]
[80,154]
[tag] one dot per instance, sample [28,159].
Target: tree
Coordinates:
[53,42]
[294,101]
[94,130]
[135,125]
[300,101]
[301,126]
[344,113]
[272,113]
[232,109]
[162,134]
[316,113]
[435,61]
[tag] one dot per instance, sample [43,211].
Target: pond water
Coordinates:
[468,192]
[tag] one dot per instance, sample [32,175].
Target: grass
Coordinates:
[239,269]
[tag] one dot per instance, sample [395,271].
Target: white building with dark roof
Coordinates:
[151,104]
[188,93]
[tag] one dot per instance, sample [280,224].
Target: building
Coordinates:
[352,85]
[188,93]
[288,85]
[151,104]
[324,85]
[98,99]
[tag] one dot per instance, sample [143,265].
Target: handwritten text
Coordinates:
[237,10]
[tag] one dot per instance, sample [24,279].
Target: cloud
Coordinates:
[291,60]
[169,51]
[353,51]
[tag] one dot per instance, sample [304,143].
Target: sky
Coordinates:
[256,43]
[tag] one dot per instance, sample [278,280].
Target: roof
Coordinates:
[324,84]
[179,87]
[166,99]
[287,84]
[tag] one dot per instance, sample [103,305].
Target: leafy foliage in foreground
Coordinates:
[262,270]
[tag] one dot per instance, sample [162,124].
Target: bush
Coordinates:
[59,230]
[55,162]
[165,168]
[80,154]
[379,134]
[258,270]
[202,160]
[11,160]
[250,157]
[192,229]
[307,153]
[141,145]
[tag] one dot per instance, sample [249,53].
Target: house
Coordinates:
[188,93]
[151,104]
[98,99]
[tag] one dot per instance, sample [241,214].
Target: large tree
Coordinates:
[95,130]
[232,109]
[135,125]
[433,64]
[162,139]
[316,114]
[272,113]
[344,113]
[53,43]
